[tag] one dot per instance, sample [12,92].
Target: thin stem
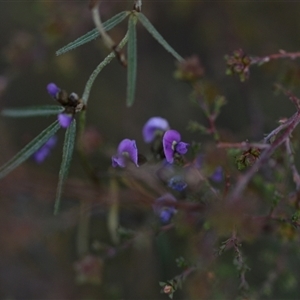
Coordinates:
[279,128]
[83,228]
[281,54]
[108,42]
[99,68]
[243,145]
[289,151]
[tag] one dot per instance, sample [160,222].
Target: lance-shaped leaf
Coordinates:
[29,149]
[32,111]
[158,36]
[93,34]
[131,60]
[66,160]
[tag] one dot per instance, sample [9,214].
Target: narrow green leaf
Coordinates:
[29,149]
[131,60]
[158,36]
[32,111]
[65,164]
[93,34]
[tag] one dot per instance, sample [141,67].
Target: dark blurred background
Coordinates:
[38,251]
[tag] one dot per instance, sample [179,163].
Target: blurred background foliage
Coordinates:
[39,256]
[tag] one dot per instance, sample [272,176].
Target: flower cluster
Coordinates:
[238,63]
[155,127]
[70,102]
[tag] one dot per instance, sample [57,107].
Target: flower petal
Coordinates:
[170,138]
[152,126]
[53,89]
[64,120]
[181,148]
[126,148]
[129,147]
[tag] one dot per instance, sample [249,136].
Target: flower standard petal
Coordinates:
[152,126]
[64,120]
[126,148]
[170,139]
[53,89]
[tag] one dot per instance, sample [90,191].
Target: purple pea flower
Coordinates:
[217,175]
[64,120]
[153,126]
[164,212]
[172,144]
[177,183]
[41,154]
[126,150]
[53,89]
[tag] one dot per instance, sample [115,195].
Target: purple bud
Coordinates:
[53,89]
[217,176]
[177,183]
[181,148]
[41,154]
[163,209]
[64,120]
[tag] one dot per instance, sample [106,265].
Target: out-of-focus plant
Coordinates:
[223,195]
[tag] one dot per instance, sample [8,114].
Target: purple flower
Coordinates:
[177,183]
[64,120]
[126,150]
[162,210]
[41,154]
[153,127]
[217,176]
[172,144]
[53,89]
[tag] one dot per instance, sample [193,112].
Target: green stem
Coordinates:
[99,68]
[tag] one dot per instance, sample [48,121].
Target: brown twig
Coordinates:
[281,54]
[243,145]
[289,151]
[265,155]
[107,40]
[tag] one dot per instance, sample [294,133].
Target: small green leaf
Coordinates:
[32,111]
[158,36]
[29,149]
[66,160]
[132,60]
[93,34]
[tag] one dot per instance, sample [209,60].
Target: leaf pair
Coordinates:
[40,140]
[131,39]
